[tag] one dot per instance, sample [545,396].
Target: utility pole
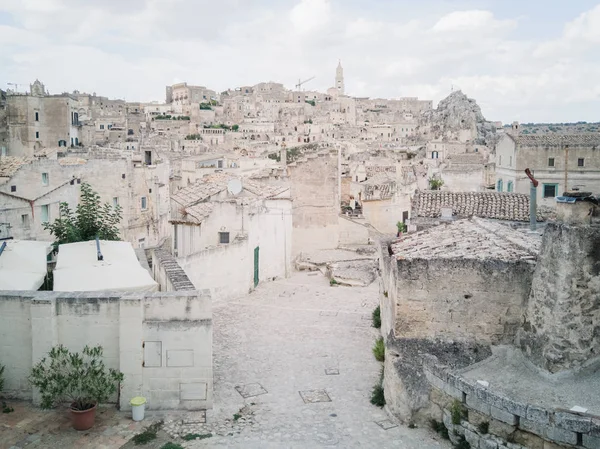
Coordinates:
[566,168]
[532,200]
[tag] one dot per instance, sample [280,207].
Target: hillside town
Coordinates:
[464,248]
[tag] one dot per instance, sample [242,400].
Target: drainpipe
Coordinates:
[2,248]
[100,256]
[532,200]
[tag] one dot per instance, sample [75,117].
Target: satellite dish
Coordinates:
[234,186]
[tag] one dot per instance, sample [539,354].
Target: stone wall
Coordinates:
[561,323]
[314,188]
[162,342]
[460,299]
[167,272]
[510,423]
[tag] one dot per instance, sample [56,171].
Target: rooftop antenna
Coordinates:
[100,256]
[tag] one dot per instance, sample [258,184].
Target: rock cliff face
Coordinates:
[458,112]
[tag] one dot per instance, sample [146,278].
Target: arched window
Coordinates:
[499,186]
[509,186]
[434,155]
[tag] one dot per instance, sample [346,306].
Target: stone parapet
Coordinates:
[509,421]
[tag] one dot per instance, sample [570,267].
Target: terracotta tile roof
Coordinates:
[198,192]
[503,206]
[198,212]
[585,139]
[263,190]
[10,164]
[469,239]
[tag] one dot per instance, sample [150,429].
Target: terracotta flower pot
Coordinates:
[83,419]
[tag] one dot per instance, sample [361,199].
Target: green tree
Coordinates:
[90,219]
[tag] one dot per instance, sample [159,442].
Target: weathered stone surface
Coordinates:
[503,416]
[538,415]
[560,435]
[500,429]
[561,327]
[472,438]
[591,442]
[478,404]
[575,423]
[528,440]
[532,427]
[487,443]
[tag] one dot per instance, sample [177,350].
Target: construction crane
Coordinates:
[16,86]
[300,83]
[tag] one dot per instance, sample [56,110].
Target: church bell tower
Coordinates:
[339,78]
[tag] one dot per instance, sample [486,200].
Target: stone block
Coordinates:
[561,435]
[514,446]
[465,385]
[528,440]
[532,427]
[477,418]
[514,407]
[472,438]
[575,423]
[447,420]
[437,396]
[434,380]
[453,391]
[550,445]
[500,429]
[595,428]
[503,416]
[487,443]
[478,404]
[591,442]
[495,399]
[538,415]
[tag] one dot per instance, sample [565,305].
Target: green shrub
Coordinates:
[458,412]
[196,436]
[379,350]
[440,428]
[377,395]
[376,316]
[333,282]
[170,445]
[483,427]
[80,378]
[149,434]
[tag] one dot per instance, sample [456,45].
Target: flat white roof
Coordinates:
[23,264]
[78,268]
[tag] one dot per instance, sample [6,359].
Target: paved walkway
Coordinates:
[278,354]
[286,340]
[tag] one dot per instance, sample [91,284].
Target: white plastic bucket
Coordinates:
[138,406]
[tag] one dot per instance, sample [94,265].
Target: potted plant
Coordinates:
[82,379]
[401,228]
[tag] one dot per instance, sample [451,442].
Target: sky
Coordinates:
[525,60]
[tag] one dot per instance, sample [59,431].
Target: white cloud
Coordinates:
[133,49]
[310,15]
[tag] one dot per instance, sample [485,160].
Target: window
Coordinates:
[142,242]
[580,162]
[550,190]
[510,161]
[144,205]
[45,179]
[550,162]
[434,155]
[115,201]
[101,126]
[45,213]
[499,187]
[13,188]
[37,134]
[37,116]
[509,186]
[223,237]
[76,140]
[25,221]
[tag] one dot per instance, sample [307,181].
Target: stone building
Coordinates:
[183,94]
[230,234]
[553,158]
[490,331]
[38,120]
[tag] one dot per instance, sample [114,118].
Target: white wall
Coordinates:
[32,322]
